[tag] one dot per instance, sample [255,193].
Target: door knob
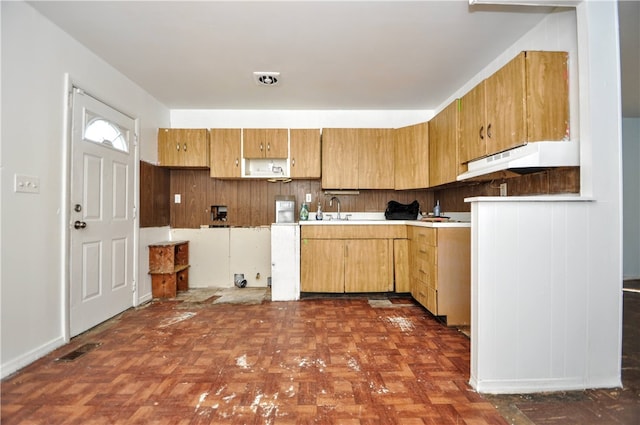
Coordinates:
[79,224]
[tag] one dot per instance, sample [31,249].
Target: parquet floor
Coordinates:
[315,361]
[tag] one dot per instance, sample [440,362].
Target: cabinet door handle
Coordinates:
[178,147]
[269,146]
[482,132]
[185,147]
[237,162]
[293,162]
[489,131]
[261,147]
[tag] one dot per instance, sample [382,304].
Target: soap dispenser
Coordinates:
[436,209]
[304,212]
[319,212]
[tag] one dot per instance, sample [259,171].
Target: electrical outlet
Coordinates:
[503,189]
[308,197]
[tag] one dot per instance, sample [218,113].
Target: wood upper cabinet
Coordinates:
[304,145]
[443,144]
[339,158]
[225,152]
[412,157]
[265,143]
[183,147]
[472,141]
[358,158]
[527,100]
[376,165]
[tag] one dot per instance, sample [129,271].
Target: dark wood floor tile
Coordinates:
[316,361]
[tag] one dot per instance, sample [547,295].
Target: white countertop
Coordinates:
[532,198]
[363,218]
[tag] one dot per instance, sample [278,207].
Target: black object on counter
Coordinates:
[397,211]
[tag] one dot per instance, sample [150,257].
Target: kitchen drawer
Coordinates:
[424,236]
[359,231]
[425,272]
[426,296]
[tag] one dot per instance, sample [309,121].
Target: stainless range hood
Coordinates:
[526,158]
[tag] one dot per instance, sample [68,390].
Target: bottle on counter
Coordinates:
[304,212]
[436,209]
[319,212]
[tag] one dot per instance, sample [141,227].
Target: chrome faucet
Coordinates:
[331,204]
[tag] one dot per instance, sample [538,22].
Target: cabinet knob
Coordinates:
[268,146]
[293,162]
[261,147]
[482,132]
[489,131]
[237,162]
[184,147]
[178,147]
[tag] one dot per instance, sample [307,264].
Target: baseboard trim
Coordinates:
[29,357]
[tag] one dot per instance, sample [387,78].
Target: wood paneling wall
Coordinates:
[252,202]
[154,195]
[560,180]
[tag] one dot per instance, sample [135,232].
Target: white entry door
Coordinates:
[102,213]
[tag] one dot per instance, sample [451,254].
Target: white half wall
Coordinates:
[217,254]
[36,58]
[546,271]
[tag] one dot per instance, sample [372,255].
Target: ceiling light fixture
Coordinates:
[266,78]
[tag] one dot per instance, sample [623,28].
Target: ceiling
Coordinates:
[330,54]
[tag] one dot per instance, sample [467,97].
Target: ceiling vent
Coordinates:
[267,78]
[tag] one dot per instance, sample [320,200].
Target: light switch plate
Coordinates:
[26,184]
[308,198]
[177,198]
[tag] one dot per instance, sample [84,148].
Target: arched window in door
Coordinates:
[101,130]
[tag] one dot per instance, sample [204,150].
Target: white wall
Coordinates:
[631,197]
[295,119]
[36,55]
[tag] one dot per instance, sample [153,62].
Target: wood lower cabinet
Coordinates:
[321,265]
[183,147]
[304,145]
[441,271]
[345,258]
[265,143]
[226,153]
[169,268]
